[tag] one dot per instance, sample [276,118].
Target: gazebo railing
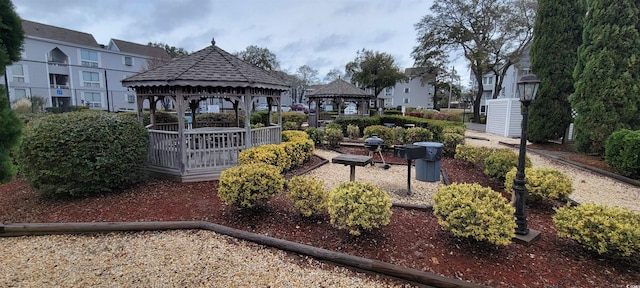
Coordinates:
[213,147]
[266,135]
[163,149]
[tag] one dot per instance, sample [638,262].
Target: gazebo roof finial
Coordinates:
[213,41]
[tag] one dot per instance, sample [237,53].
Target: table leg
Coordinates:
[352,173]
[408,176]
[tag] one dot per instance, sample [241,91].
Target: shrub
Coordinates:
[473,154]
[470,210]
[334,136]
[260,117]
[83,153]
[272,154]
[381,131]
[290,126]
[542,184]
[298,146]
[161,117]
[296,117]
[359,206]
[622,152]
[392,112]
[216,120]
[450,144]
[417,134]
[600,228]
[249,185]
[307,194]
[353,131]
[502,161]
[316,135]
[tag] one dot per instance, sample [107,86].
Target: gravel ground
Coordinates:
[203,258]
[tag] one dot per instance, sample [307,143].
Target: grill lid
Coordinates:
[373,142]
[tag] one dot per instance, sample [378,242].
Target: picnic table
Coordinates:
[352,161]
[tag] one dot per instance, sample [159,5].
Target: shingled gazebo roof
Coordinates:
[339,88]
[209,67]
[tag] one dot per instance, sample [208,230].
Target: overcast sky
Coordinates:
[323,34]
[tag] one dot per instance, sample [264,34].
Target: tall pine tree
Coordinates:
[607,74]
[557,35]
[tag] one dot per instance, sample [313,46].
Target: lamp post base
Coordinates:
[527,240]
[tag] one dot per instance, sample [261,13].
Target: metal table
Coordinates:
[352,161]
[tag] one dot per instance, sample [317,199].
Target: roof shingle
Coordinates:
[146,50]
[339,88]
[56,33]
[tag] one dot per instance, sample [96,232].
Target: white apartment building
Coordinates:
[69,68]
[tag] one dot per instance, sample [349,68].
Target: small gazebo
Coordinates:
[341,91]
[201,153]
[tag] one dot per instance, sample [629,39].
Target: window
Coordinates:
[19,94]
[90,79]
[18,73]
[388,91]
[128,61]
[487,80]
[131,98]
[406,90]
[405,100]
[93,99]
[89,58]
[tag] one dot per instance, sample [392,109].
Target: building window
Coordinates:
[90,79]
[19,94]
[405,100]
[131,98]
[89,58]
[406,90]
[487,80]
[388,91]
[18,73]
[93,99]
[128,61]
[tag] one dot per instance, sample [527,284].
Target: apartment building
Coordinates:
[69,68]
[413,93]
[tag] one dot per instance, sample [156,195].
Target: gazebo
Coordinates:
[200,153]
[340,91]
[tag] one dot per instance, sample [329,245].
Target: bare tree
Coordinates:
[333,74]
[306,76]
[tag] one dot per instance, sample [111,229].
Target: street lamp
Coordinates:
[527,88]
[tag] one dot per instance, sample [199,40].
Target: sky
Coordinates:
[322,34]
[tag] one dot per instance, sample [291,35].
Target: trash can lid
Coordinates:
[429,144]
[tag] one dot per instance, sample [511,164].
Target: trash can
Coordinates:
[428,168]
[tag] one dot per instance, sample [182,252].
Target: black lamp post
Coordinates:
[527,88]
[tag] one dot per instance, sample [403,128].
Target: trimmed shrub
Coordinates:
[250,185]
[398,134]
[83,153]
[473,154]
[417,134]
[298,146]
[290,126]
[296,117]
[161,117]
[333,136]
[450,144]
[272,154]
[605,230]
[622,152]
[392,112]
[217,120]
[502,161]
[307,195]
[260,117]
[542,183]
[316,135]
[353,132]
[381,131]
[473,211]
[356,206]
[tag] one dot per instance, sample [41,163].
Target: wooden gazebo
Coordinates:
[200,153]
[340,91]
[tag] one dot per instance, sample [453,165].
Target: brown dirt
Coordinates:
[412,239]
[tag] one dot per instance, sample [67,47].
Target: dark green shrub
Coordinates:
[78,108]
[250,185]
[296,117]
[360,122]
[216,120]
[307,195]
[359,206]
[417,134]
[542,184]
[316,135]
[83,153]
[261,117]
[161,117]
[622,152]
[384,132]
[392,112]
[10,130]
[502,161]
[605,230]
[473,211]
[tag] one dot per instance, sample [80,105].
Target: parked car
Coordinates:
[262,107]
[300,107]
[351,109]
[285,108]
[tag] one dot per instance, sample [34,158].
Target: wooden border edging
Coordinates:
[409,274]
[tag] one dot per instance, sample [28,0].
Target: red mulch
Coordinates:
[412,239]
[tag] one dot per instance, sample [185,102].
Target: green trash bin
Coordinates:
[428,168]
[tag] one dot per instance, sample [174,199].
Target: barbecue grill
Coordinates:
[375,144]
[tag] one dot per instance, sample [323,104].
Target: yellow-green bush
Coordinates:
[272,154]
[353,131]
[470,210]
[381,131]
[502,161]
[473,154]
[299,150]
[359,206]
[542,183]
[290,125]
[417,134]
[452,137]
[316,135]
[249,185]
[307,195]
[334,136]
[605,230]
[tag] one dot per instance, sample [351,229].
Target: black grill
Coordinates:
[374,143]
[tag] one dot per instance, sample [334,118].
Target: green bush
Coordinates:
[272,154]
[260,117]
[358,206]
[473,154]
[316,135]
[417,134]
[333,136]
[398,135]
[217,120]
[307,195]
[392,112]
[605,230]
[296,117]
[298,146]
[250,185]
[83,153]
[161,117]
[78,108]
[542,184]
[353,132]
[502,161]
[290,126]
[381,131]
[473,211]
[622,152]
[450,144]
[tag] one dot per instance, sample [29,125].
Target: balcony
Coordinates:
[58,68]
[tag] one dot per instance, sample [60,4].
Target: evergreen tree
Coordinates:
[607,74]
[557,31]
[11,38]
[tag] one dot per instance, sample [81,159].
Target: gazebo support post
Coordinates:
[180,108]
[152,111]
[247,120]
[140,104]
